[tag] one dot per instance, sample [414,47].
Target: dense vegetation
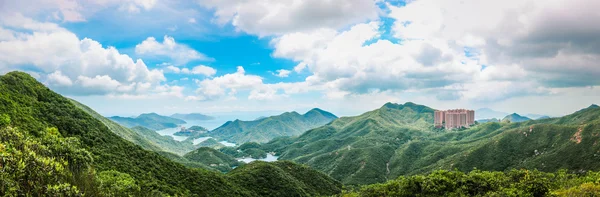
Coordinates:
[263,130]
[193,130]
[484,183]
[213,158]
[146,138]
[192,116]
[151,120]
[248,149]
[283,178]
[49,146]
[398,140]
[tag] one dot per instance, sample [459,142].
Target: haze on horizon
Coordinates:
[347,57]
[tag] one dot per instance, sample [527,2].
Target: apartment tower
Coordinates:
[454,118]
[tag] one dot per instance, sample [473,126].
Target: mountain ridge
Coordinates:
[261,130]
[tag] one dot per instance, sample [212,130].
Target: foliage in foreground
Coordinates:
[486,183]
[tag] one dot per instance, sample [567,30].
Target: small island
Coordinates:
[190,131]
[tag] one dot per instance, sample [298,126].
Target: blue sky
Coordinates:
[348,57]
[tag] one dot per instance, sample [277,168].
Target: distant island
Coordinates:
[191,131]
[192,116]
[150,120]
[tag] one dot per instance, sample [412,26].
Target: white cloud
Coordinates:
[191,20]
[270,17]
[203,70]
[227,84]
[72,10]
[282,73]
[179,53]
[198,70]
[58,79]
[72,65]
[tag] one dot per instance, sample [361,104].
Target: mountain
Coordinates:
[397,140]
[263,130]
[193,130]
[514,117]
[151,120]
[192,116]
[69,153]
[487,113]
[146,138]
[536,116]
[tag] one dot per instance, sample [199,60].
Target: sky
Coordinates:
[126,57]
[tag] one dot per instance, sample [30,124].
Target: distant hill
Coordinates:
[487,113]
[263,130]
[146,138]
[193,130]
[397,140]
[488,120]
[192,116]
[514,117]
[150,120]
[536,116]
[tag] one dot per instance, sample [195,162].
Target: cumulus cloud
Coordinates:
[227,84]
[282,73]
[179,53]
[552,42]
[72,10]
[72,65]
[271,17]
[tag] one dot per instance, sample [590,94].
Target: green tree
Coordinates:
[115,183]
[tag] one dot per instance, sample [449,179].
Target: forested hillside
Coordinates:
[146,138]
[485,183]
[263,130]
[66,151]
[398,140]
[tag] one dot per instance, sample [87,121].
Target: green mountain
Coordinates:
[263,130]
[213,158]
[192,116]
[67,152]
[193,130]
[151,120]
[514,117]
[146,138]
[283,178]
[397,140]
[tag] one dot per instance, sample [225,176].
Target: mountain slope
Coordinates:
[400,140]
[514,117]
[146,138]
[192,116]
[151,120]
[263,130]
[32,107]
[213,158]
[283,177]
